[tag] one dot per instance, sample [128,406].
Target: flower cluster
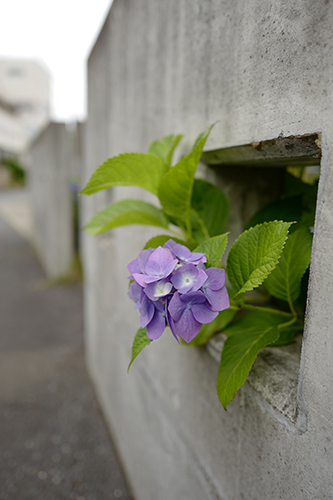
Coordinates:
[171,286]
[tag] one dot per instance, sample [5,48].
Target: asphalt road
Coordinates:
[54,443]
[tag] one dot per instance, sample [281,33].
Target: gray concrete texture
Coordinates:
[54,443]
[55,164]
[260,70]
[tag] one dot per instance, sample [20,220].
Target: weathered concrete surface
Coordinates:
[262,70]
[54,443]
[56,163]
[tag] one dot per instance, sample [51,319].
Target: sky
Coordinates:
[60,34]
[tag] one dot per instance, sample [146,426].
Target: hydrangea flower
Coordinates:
[172,287]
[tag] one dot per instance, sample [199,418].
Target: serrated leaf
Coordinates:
[218,325]
[285,281]
[176,186]
[165,147]
[211,205]
[288,209]
[159,241]
[140,342]
[255,254]
[126,212]
[129,169]
[213,249]
[238,355]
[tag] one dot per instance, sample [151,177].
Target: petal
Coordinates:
[160,256]
[176,307]
[134,267]
[199,280]
[187,327]
[158,289]
[147,310]
[156,326]
[216,278]
[219,299]
[153,268]
[203,314]
[143,259]
[193,298]
[134,291]
[184,277]
[197,257]
[181,251]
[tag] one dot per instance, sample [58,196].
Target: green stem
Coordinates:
[263,309]
[263,298]
[291,305]
[201,223]
[288,323]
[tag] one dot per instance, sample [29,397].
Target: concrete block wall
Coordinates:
[55,164]
[261,70]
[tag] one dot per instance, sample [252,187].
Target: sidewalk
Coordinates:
[54,444]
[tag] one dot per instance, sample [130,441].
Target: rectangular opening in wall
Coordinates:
[265,181]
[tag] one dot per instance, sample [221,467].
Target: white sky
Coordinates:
[60,33]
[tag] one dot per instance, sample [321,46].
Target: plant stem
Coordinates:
[201,223]
[288,323]
[263,309]
[263,298]
[291,305]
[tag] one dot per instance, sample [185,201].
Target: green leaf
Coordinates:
[256,319]
[288,209]
[129,169]
[213,249]
[126,212]
[140,342]
[295,186]
[158,241]
[255,254]
[285,281]
[165,147]
[176,186]
[212,206]
[238,355]
[262,319]
[219,323]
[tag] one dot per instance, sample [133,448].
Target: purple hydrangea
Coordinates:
[172,287]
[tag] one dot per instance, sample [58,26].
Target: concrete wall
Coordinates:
[261,69]
[55,163]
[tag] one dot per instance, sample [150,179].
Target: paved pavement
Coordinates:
[54,443]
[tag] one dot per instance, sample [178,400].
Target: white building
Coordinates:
[24,103]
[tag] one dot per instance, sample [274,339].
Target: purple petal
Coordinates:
[143,259]
[156,326]
[216,278]
[170,321]
[161,256]
[219,299]
[153,268]
[147,310]
[187,327]
[176,307]
[134,293]
[191,298]
[134,267]
[200,280]
[181,251]
[140,279]
[184,277]
[158,289]
[203,314]
[196,258]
